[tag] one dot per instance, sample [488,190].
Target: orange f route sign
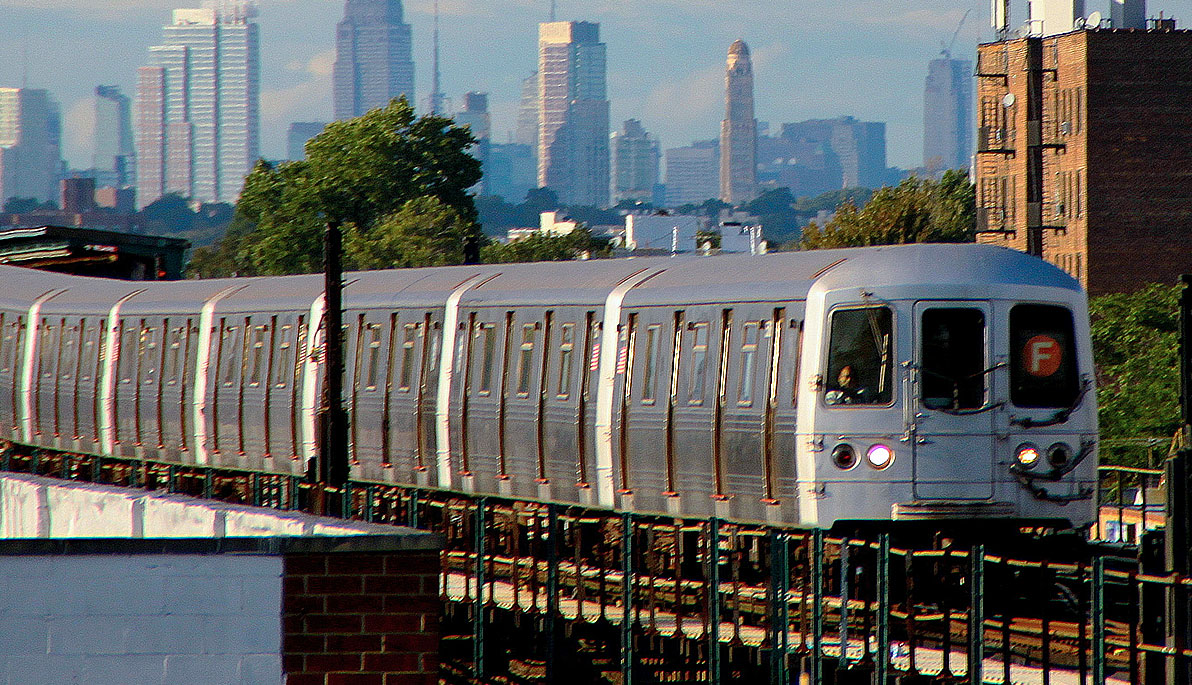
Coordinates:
[1042,356]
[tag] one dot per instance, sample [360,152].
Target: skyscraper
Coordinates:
[947,114]
[114,161]
[738,132]
[573,112]
[299,135]
[374,60]
[635,163]
[692,173]
[30,144]
[198,106]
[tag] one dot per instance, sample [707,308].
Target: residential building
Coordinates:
[693,173]
[1084,152]
[635,163]
[30,144]
[114,160]
[662,231]
[299,134]
[738,131]
[198,106]
[948,114]
[374,60]
[573,112]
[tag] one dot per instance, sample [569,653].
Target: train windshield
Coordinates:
[953,363]
[860,358]
[1043,370]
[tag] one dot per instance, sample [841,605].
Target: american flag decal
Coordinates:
[623,359]
[595,363]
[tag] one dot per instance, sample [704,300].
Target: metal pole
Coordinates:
[883,609]
[333,471]
[480,542]
[817,606]
[714,600]
[845,548]
[627,655]
[780,578]
[976,631]
[1099,621]
[552,588]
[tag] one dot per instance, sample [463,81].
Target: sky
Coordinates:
[811,58]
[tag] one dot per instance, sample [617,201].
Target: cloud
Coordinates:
[308,100]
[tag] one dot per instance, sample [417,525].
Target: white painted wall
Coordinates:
[142,619]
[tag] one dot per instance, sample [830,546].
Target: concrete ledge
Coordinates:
[88,518]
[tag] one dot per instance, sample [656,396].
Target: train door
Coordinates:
[126,417]
[368,382]
[175,382]
[565,408]
[10,343]
[485,346]
[225,414]
[68,390]
[642,408]
[695,409]
[91,360]
[149,388]
[784,401]
[533,331]
[285,374]
[407,446]
[45,386]
[953,421]
[254,411]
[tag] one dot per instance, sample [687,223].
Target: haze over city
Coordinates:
[666,57]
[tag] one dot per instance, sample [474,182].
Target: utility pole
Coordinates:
[1178,538]
[333,453]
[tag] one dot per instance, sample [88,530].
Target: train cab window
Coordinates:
[750,334]
[525,362]
[699,362]
[650,369]
[566,351]
[408,360]
[486,332]
[860,359]
[953,358]
[1043,370]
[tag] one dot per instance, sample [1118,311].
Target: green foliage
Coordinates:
[915,211]
[173,215]
[22,205]
[424,232]
[810,206]
[580,243]
[363,172]
[708,208]
[1136,341]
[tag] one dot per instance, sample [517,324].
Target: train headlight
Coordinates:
[880,456]
[1028,455]
[1059,455]
[844,456]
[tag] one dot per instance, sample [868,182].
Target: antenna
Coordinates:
[436,95]
[947,51]
[553,8]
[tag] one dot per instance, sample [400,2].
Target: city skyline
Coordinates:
[807,64]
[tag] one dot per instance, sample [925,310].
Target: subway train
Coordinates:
[816,389]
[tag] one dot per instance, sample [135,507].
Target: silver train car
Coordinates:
[924,382]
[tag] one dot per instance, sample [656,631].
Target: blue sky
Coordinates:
[812,58]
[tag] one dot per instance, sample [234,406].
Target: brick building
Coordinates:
[1084,152]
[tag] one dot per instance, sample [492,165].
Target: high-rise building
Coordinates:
[853,152]
[198,106]
[510,171]
[30,144]
[948,114]
[635,163]
[114,161]
[573,111]
[527,113]
[374,58]
[476,117]
[738,132]
[693,173]
[299,134]
[1084,150]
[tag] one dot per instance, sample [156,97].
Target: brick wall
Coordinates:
[361,618]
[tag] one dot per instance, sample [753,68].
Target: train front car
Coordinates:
[947,383]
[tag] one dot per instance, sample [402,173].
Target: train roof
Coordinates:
[784,276]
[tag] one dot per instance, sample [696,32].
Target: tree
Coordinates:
[363,172]
[22,205]
[917,210]
[1136,342]
[579,243]
[424,232]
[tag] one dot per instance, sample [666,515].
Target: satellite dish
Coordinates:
[1093,21]
[1008,101]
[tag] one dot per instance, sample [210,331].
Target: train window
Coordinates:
[749,339]
[174,355]
[953,358]
[70,351]
[129,340]
[373,336]
[525,362]
[256,358]
[90,335]
[699,362]
[1043,371]
[650,370]
[150,354]
[566,348]
[408,360]
[860,359]
[797,351]
[285,358]
[229,349]
[488,342]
